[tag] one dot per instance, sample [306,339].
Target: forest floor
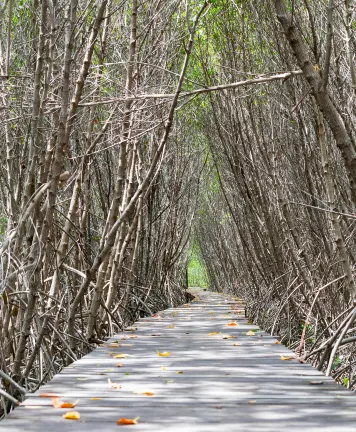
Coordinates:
[197,367]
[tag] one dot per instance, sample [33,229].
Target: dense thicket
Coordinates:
[131,129]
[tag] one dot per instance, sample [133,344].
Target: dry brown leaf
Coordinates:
[251,402]
[180,372]
[113,385]
[164,354]
[119,365]
[57,403]
[72,415]
[228,336]
[126,421]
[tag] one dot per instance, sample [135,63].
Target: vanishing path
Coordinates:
[207,383]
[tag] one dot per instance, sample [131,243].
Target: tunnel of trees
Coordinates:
[142,138]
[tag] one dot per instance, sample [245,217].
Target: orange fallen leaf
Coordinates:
[72,415]
[133,337]
[277,343]
[232,324]
[113,385]
[57,403]
[49,395]
[288,358]
[119,365]
[121,356]
[164,354]
[147,393]
[126,421]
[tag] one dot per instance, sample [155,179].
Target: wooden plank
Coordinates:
[205,383]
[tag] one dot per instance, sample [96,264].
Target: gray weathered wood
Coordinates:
[238,388]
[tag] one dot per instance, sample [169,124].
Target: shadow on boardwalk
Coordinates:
[216,377]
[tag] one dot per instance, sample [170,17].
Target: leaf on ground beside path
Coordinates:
[126,421]
[180,372]
[251,402]
[113,345]
[225,336]
[133,337]
[164,354]
[250,333]
[57,403]
[277,343]
[213,333]
[163,368]
[232,324]
[72,415]
[113,385]
[119,365]
[49,395]
[249,322]
[121,355]
[95,398]
[288,358]
[237,344]
[211,313]
[82,379]
[146,393]
[171,326]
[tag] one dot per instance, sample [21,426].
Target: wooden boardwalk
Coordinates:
[210,381]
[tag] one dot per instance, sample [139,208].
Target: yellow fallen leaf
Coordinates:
[72,415]
[250,333]
[163,368]
[213,333]
[126,421]
[249,322]
[211,313]
[121,356]
[164,354]
[171,326]
[288,358]
[237,344]
[228,336]
[232,324]
[82,379]
[95,398]
[57,403]
[113,385]
[113,345]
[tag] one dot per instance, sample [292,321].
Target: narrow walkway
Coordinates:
[216,377]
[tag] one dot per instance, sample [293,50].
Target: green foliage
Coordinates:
[197,276]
